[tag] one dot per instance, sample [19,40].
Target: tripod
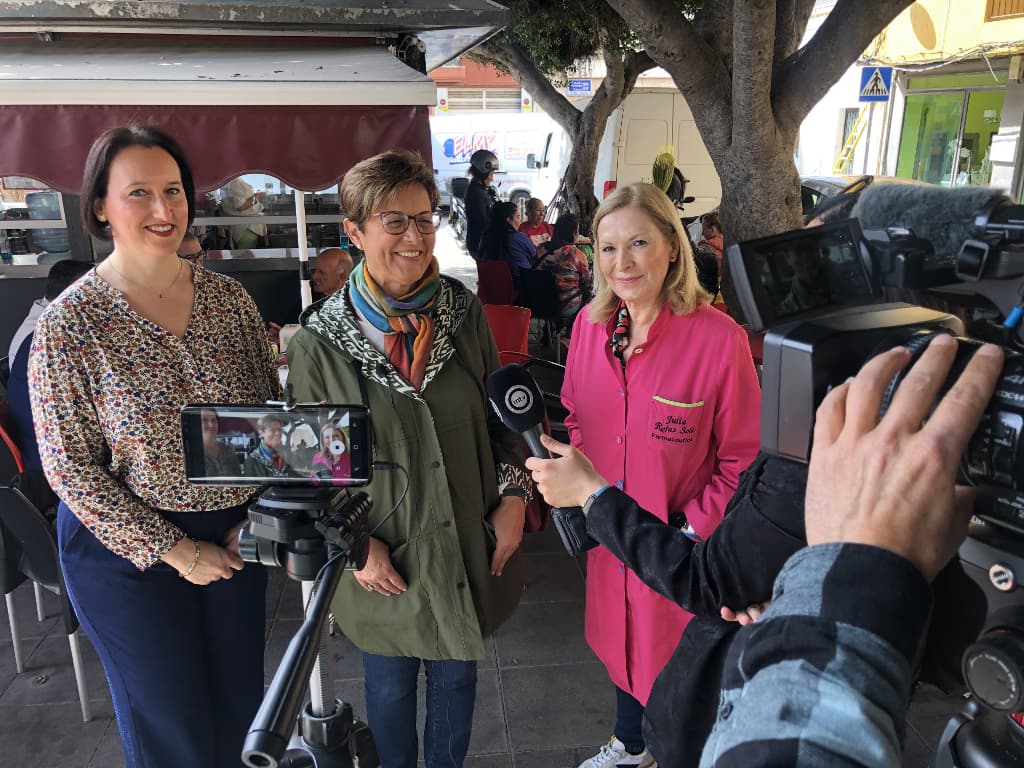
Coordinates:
[308,531]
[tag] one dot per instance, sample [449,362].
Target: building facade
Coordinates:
[956,99]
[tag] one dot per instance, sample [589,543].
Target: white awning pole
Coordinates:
[305,291]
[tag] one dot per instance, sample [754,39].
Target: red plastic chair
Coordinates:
[494,282]
[511,328]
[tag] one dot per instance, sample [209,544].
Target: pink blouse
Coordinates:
[674,430]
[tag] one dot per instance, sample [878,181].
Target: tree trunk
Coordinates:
[579,173]
[760,195]
[585,128]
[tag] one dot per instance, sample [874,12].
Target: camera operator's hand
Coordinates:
[568,479]
[378,575]
[890,482]
[213,563]
[508,520]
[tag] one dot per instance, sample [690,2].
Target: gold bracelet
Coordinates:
[195,562]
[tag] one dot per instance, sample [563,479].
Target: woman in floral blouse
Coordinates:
[151,562]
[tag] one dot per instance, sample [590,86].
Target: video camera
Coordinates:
[821,295]
[306,457]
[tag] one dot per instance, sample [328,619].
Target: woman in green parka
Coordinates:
[443,572]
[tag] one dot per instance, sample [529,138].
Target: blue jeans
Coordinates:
[391,709]
[629,716]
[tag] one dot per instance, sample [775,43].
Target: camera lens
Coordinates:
[993,668]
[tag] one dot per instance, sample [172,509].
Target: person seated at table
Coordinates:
[238,198]
[502,240]
[330,270]
[538,230]
[269,458]
[568,264]
[191,250]
[711,235]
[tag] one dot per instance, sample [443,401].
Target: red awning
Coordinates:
[308,147]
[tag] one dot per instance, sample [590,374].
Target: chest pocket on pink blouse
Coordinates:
[674,426]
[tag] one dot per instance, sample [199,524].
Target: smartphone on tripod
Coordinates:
[318,446]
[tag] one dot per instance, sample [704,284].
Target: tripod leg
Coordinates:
[321,691]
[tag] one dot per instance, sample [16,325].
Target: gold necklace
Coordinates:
[159,292]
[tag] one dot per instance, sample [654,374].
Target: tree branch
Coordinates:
[674,44]
[636,63]
[526,73]
[713,22]
[753,37]
[790,24]
[803,79]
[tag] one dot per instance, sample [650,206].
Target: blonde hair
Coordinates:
[681,289]
[333,428]
[371,182]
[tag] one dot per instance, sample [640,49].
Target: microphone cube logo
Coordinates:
[519,399]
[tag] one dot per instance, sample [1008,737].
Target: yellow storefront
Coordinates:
[958,101]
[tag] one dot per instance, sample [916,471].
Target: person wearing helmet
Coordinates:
[479,197]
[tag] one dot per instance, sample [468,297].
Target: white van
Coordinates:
[649,119]
[532,151]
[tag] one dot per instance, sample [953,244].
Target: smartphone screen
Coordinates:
[306,446]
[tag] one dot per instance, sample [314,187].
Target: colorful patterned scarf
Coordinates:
[620,336]
[405,321]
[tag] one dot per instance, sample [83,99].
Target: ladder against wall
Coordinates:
[852,139]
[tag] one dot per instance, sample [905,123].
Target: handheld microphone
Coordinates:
[944,217]
[517,400]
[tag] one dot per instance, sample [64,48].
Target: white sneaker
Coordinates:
[614,755]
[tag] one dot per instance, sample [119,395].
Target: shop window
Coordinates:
[254,215]
[1003,9]
[849,117]
[947,136]
[32,222]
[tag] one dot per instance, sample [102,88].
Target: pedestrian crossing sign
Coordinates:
[875,83]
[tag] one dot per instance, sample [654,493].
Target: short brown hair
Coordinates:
[97,169]
[681,289]
[267,419]
[377,179]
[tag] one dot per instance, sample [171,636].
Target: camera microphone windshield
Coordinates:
[944,217]
[517,400]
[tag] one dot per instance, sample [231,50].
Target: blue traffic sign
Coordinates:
[875,83]
[579,86]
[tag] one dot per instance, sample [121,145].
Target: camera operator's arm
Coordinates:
[736,566]
[840,639]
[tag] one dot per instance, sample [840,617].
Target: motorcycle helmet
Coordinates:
[482,162]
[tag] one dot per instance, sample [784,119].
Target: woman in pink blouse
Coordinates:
[151,562]
[663,398]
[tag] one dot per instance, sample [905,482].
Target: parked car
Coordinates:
[814,189]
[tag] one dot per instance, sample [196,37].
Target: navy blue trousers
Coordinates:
[184,662]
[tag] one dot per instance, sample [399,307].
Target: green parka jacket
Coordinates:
[458,455]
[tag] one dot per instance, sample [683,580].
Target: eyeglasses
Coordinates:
[193,258]
[397,222]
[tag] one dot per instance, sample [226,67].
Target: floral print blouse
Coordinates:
[107,386]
